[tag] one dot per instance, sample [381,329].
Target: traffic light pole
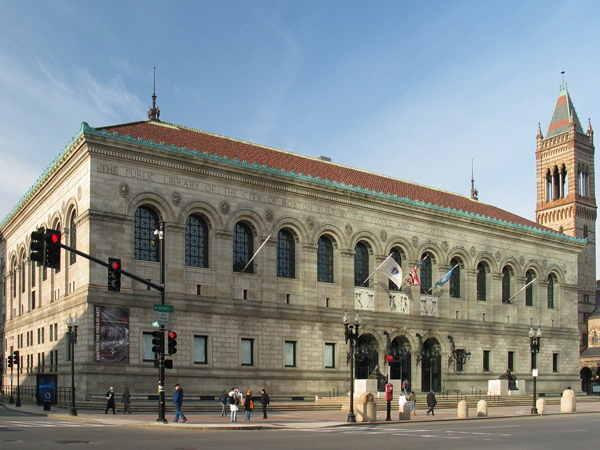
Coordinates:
[161,360]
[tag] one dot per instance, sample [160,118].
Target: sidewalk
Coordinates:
[280,420]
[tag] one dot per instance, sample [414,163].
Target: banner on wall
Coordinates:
[111,326]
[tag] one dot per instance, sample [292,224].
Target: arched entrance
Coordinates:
[366,356]
[431,366]
[400,367]
[586,377]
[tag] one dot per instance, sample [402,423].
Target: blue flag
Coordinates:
[445,278]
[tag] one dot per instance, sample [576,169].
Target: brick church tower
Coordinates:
[566,198]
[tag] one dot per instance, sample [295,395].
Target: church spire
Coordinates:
[154,111]
[564,114]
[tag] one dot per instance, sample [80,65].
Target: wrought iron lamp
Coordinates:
[534,344]
[72,333]
[458,357]
[351,335]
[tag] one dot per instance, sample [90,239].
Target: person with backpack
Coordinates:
[233,405]
[224,402]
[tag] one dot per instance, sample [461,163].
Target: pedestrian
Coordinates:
[224,402]
[233,405]
[264,401]
[405,385]
[248,405]
[126,400]
[178,400]
[412,399]
[110,400]
[431,402]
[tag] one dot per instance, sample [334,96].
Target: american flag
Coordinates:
[413,277]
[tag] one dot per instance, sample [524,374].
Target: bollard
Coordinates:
[568,403]
[371,412]
[541,405]
[463,409]
[361,407]
[404,411]
[482,408]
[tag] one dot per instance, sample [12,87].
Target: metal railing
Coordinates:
[334,393]
[29,394]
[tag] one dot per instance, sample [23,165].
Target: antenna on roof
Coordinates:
[474,192]
[563,85]
[154,111]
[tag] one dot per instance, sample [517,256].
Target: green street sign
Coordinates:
[155,325]
[163,308]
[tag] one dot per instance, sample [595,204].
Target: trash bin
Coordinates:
[47,406]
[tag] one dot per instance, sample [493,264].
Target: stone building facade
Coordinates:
[276,322]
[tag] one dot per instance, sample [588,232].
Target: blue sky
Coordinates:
[415,90]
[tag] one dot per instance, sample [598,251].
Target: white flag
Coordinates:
[392,270]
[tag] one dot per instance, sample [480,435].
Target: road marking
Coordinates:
[503,426]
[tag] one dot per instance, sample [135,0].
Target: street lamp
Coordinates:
[351,334]
[72,333]
[534,343]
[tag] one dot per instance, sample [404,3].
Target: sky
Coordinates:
[418,90]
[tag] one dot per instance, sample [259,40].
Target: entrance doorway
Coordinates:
[400,367]
[431,366]
[366,356]
[586,380]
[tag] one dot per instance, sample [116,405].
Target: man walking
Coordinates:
[178,400]
[431,402]
[264,401]
[110,400]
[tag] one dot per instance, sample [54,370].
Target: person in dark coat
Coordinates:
[126,400]
[110,400]
[264,401]
[178,400]
[431,402]
[248,405]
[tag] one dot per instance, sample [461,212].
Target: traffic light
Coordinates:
[38,246]
[114,274]
[172,343]
[168,363]
[52,254]
[16,358]
[9,361]
[158,342]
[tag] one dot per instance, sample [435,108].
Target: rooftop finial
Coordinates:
[154,111]
[563,85]
[474,192]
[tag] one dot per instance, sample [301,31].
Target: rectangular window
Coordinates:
[56,332]
[247,352]
[511,361]
[486,360]
[148,354]
[200,350]
[290,354]
[330,356]
[43,332]
[555,362]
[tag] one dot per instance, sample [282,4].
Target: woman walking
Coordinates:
[126,400]
[412,399]
[248,405]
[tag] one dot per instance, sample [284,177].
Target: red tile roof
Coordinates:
[171,134]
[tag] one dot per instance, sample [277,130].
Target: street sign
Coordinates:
[163,318]
[155,324]
[163,308]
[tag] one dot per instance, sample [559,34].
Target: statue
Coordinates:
[512,380]
[381,379]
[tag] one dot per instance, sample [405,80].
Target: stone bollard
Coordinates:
[361,408]
[568,403]
[541,405]
[371,412]
[482,408]
[404,411]
[463,409]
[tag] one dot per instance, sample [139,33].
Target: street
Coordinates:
[19,431]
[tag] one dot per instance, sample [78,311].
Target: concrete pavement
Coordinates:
[281,420]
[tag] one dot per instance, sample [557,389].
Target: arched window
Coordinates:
[145,246]
[286,255]
[14,280]
[455,278]
[72,238]
[529,276]
[505,285]
[361,264]
[548,186]
[325,260]
[398,258]
[196,242]
[23,273]
[57,227]
[243,248]
[426,275]
[33,268]
[481,282]
[551,291]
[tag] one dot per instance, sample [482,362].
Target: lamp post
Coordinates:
[534,343]
[351,334]
[72,333]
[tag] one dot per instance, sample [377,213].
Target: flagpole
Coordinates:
[408,276]
[436,284]
[256,252]
[372,273]
[524,287]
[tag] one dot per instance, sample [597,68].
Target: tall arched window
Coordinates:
[455,278]
[196,241]
[57,227]
[361,264]
[243,248]
[529,276]
[481,282]
[505,285]
[398,258]
[548,186]
[145,246]
[23,273]
[286,255]
[325,260]
[426,274]
[72,238]
[551,291]
[14,279]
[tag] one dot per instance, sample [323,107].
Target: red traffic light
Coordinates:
[172,335]
[55,238]
[115,265]
[389,358]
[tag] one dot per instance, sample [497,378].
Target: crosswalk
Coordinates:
[47,424]
[416,433]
